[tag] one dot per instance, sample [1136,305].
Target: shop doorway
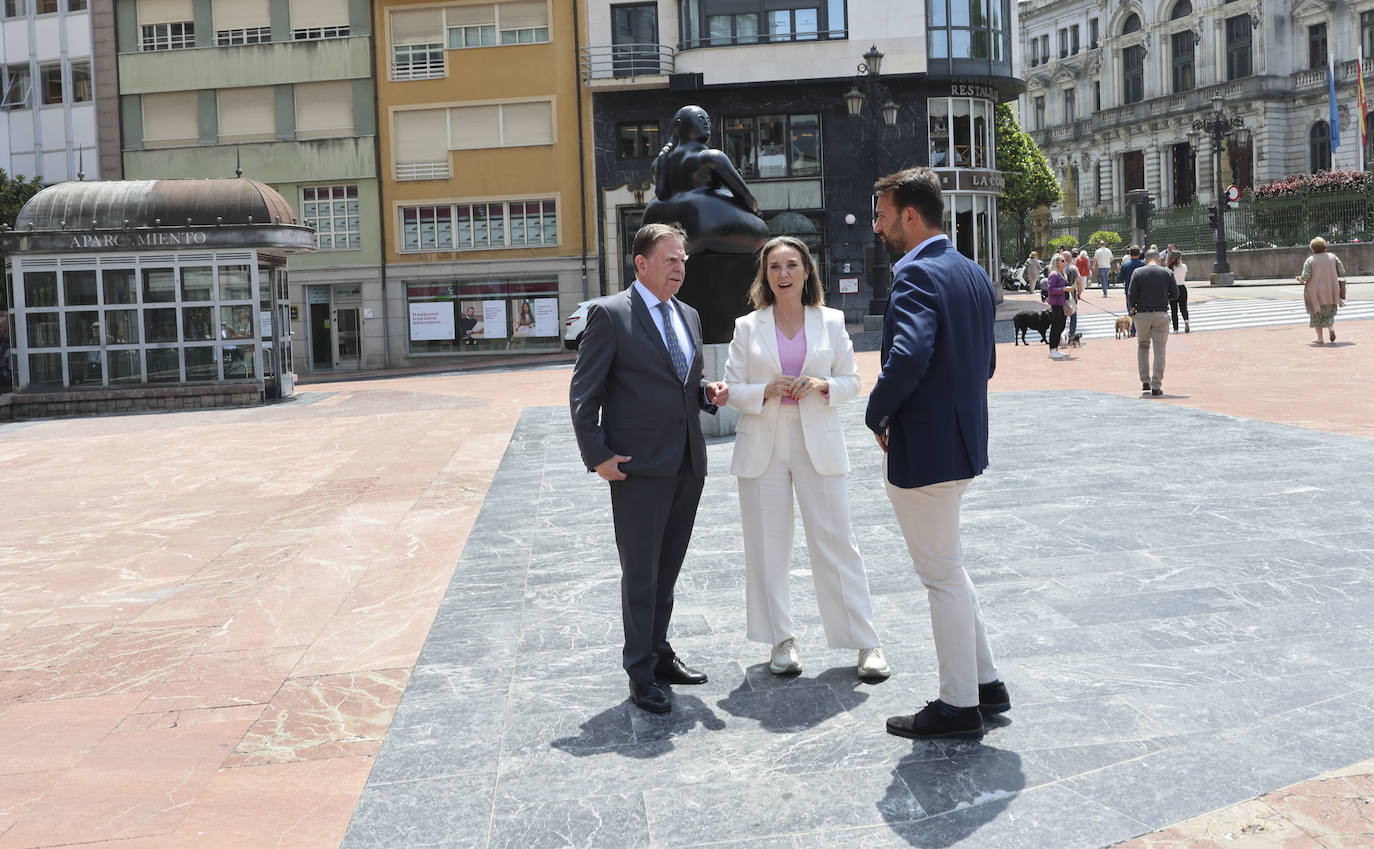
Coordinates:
[336,338]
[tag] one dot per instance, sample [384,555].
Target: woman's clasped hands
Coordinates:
[796,388]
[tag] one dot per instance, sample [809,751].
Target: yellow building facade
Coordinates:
[486,175]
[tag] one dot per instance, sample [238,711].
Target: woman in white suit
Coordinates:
[791,365]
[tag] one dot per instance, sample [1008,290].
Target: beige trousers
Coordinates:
[1151,328]
[929,519]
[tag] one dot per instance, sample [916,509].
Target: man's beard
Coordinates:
[892,244]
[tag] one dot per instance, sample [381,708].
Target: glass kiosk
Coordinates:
[141,291]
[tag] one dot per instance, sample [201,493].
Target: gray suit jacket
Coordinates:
[625,397]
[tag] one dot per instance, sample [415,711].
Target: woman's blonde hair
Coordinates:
[1318,245]
[761,294]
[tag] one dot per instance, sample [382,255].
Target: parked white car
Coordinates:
[573,327]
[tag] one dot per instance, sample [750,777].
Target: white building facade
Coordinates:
[48,126]
[1113,89]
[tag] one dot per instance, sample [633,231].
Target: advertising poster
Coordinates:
[431,321]
[546,317]
[471,322]
[493,319]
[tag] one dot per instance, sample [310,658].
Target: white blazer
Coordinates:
[753,362]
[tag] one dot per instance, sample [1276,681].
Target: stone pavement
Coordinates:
[208,620]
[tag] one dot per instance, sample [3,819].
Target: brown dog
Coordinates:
[1123,327]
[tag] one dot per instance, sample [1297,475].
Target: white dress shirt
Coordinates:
[684,339]
[911,254]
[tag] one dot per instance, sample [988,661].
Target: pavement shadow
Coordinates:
[972,786]
[627,731]
[791,704]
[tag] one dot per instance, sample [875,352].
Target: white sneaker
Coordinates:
[872,665]
[1056,354]
[786,660]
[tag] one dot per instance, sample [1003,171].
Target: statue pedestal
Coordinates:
[717,287]
[713,366]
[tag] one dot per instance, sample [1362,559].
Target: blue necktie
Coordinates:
[670,337]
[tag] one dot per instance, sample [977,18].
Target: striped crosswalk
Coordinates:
[1225,314]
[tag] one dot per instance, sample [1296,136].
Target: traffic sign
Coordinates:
[1232,194]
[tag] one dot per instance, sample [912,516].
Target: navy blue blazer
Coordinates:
[937,357]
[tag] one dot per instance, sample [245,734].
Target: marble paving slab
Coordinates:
[1180,601]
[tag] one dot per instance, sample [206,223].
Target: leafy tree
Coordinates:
[1113,240]
[1030,183]
[14,193]
[1065,242]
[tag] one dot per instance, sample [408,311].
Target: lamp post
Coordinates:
[1218,127]
[854,100]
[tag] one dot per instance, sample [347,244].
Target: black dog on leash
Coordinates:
[1030,320]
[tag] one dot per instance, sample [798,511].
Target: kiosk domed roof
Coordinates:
[123,204]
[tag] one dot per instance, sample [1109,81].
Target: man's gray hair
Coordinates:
[1152,255]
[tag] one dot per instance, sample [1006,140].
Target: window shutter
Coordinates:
[527,123]
[421,136]
[422,26]
[247,114]
[171,118]
[475,127]
[308,14]
[524,14]
[164,11]
[470,16]
[242,14]
[324,109]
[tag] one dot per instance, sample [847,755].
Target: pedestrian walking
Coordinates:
[1074,293]
[1055,286]
[1103,260]
[1179,304]
[1151,289]
[1033,269]
[1323,279]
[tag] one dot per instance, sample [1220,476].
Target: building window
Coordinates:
[50,83]
[959,132]
[1133,169]
[324,110]
[16,8]
[243,35]
[1040,112]
[81,81]
[247,114]
[1063,44]
[634,37]
[774,146]
[1034,52]
[171,36]
[317,33]
[1181,10]
[636,141]
[76,5]
[47,7]
[171,119]
[1367,33]
[17,86]
[1369,145]
[1316,46]
[1132,24]
[419,36]
[1073,39]
[1319,147]
[333,212]
[1238,47]
[479,226]
[1097,96]
[1133,74]
[1092,34]
[1181,44]
[1070,106]
[710,23]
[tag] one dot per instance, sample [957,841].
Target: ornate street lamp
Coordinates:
[1218,127]
[867,87]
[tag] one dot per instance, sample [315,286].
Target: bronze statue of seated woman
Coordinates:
[699,188]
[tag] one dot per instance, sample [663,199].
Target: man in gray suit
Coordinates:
[635,393]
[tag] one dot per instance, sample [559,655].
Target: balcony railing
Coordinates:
[626,61]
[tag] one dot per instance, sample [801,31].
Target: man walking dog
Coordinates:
[1147,298]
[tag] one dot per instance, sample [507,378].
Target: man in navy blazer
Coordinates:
[929,411]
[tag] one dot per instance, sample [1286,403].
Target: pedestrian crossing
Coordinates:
[1223,314]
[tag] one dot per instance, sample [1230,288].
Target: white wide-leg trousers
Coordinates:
[836,565]
[929,519]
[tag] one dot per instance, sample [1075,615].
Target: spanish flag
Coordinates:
[1364,104]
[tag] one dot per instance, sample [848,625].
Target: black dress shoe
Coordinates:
[1156,391]
[655,697]
[938,720]
[1145,386]
[671,670]
[993,698]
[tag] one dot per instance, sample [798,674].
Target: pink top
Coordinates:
[791,353]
